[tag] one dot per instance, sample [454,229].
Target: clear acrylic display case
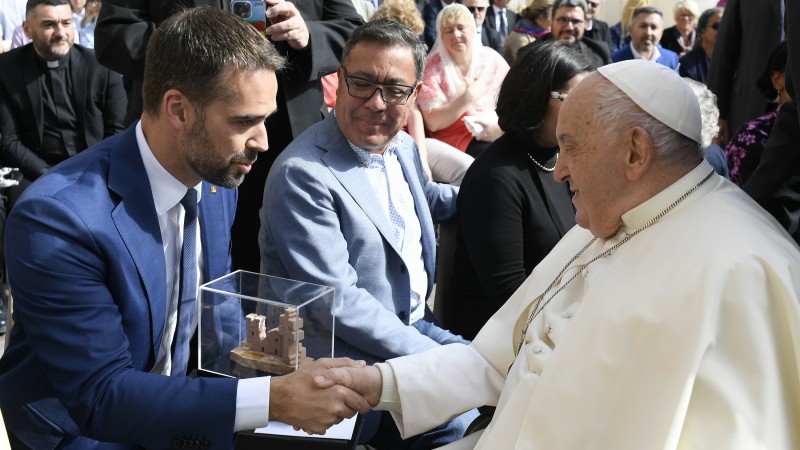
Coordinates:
[252,324]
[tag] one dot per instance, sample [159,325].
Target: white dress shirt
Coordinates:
[385,175]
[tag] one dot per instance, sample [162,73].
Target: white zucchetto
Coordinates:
[660,92]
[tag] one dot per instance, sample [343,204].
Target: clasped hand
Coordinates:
[312,399]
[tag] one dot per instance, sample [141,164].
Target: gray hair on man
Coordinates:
[392,34]
[647,10]
[570,4]
[630,99]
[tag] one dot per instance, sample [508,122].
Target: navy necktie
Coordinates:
[187,292]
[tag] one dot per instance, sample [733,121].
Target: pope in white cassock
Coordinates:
[668,319]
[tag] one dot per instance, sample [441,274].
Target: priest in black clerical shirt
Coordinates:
[55,99]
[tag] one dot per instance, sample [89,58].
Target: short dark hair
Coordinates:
[570,4]
[32,4]
[540,68]
[192,51]
[645,10]
[392,34]
[776,63]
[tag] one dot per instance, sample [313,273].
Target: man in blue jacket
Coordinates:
[106,251]
[647,26]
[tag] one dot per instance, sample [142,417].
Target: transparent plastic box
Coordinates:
[253,324]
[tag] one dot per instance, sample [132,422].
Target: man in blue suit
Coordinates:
[96,253]
[347,205]
[647,27]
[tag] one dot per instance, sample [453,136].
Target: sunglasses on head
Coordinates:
[476,8]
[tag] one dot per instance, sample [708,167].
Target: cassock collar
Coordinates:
[61,62]
[638,216]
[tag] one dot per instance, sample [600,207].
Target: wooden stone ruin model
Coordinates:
[277,351]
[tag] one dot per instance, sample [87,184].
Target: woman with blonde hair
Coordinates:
[619,32]
[401,11]
[680,38]
[460,84]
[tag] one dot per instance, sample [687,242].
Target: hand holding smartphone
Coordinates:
[253,12]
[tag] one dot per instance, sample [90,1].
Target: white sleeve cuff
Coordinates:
[252,404]
[390,395]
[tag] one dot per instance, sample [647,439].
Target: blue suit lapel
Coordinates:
[343,163]
[137,223]
[213,230]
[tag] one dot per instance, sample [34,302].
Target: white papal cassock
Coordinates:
[685,337]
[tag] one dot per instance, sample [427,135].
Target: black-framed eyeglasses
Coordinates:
[566,20]
[391,93]
[476,8]
[715,26]
[560,96]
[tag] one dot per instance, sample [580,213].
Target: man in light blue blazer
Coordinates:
[347,205]
[647,27]
[94,249]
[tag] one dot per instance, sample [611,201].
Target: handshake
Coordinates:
[322,393]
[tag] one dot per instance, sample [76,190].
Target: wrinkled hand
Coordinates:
[297,400]
[365,380]
[287,24]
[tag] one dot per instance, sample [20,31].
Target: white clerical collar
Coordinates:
[639,215]
[166,189]
[52,64]
[637,55]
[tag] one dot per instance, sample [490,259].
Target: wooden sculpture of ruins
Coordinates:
[277,351]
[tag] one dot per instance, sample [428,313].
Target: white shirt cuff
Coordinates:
[252,404]
[390,394]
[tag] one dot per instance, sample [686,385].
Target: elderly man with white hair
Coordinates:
[668,319]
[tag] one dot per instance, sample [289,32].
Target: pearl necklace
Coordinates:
[539,305]
[541,166]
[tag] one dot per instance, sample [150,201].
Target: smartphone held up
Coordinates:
[253,12]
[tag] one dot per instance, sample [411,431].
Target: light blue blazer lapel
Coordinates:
[345,166]
[412,174]
[137,224]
